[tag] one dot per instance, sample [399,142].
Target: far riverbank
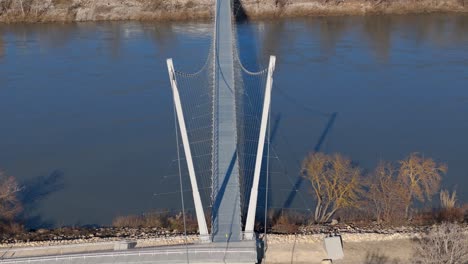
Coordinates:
[163,10]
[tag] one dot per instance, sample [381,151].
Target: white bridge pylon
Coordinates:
[204,235]
[250,223]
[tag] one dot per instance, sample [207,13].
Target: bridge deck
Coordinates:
[226,224]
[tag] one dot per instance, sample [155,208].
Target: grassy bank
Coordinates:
[164,10]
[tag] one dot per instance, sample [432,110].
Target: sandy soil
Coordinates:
[369,252]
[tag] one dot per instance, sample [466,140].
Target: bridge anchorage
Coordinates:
[222,115]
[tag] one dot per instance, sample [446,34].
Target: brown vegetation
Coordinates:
[422,177]
[10,205]
[387,195]
[95,10]
[335,181]
[445,243]
[286,223]
[166,221]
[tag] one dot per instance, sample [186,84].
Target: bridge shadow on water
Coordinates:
[239,11]
[269,46]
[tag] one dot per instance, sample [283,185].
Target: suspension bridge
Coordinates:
[222,113]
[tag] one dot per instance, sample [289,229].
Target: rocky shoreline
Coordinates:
[71,236]
[164,10]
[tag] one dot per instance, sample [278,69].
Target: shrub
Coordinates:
[10,205]
[138,221]
[287,223]
[445,243]
[450,215]
[172,222]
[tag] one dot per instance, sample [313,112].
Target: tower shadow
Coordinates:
[300,180]
[219,197]
[239,11]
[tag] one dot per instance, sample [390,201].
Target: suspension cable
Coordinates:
[181,184]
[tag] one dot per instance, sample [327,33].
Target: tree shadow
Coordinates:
[377,257]
[34,192]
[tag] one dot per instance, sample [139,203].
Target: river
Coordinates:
[87,121]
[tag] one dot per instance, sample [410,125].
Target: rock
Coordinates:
[334,222]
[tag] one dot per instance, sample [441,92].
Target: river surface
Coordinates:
[87,121]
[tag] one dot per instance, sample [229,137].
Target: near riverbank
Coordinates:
[164,10]
[358,248]
[372,244]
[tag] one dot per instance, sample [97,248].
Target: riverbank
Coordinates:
[361,245]
[163,10]
[74,235]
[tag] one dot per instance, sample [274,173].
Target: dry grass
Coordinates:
[166,221]
[138,221]
[447,199]
[282,222]
[67,10]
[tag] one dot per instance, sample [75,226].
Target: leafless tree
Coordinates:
[10,206]
[386,193]
[421,176]
[335,181]
[446,243]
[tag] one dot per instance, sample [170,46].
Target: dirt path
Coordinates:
[373,251]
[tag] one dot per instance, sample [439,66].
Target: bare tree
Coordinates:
[10,206]
[22,7]
[421,176]
[336,183]
[446,243]
[386,193]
